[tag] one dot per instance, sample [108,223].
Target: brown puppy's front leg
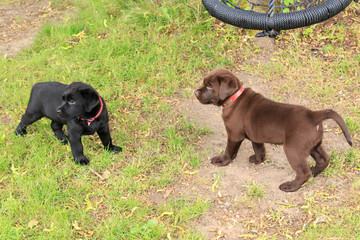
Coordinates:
[260,153]
[229,154]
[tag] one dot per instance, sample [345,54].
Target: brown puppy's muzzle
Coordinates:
[197,93]
[204,96]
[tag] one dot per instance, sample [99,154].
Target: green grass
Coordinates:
[137,55]
[133,54]
[333,214]
[255,190]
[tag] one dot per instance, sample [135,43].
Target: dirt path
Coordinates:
[20,22]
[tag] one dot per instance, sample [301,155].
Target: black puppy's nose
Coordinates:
[58,110]
[197,93]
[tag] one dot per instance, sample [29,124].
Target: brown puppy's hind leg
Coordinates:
[321,158]
[297,160]
[260,153]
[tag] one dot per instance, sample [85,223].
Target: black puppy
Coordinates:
[78,106]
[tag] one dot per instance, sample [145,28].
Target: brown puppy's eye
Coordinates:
[208,86]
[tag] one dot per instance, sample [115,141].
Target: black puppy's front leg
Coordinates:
[229,154]
[77,148]
[104,134]
[57,128]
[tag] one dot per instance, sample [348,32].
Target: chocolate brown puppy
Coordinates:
[250,115]
[78,106]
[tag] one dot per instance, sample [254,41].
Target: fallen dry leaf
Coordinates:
[32,223]
[76,226]
[106,174]
[97,174]
[167,193]
[132,212]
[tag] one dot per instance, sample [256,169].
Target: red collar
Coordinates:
[90,120]
[233,97]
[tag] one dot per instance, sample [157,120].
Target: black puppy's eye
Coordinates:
[71,101]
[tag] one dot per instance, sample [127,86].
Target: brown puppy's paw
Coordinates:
[219,161]
[315,171]
[289,187]
[253,159]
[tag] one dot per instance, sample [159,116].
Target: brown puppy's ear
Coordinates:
[227,87]
[91,99]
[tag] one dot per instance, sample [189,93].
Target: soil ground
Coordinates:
[20,22]
[233,213]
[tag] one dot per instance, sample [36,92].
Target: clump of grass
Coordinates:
[342,162]
[332,213]
[216,181]
[255,190]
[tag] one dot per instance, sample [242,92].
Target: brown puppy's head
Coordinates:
[79,100]
[218,86]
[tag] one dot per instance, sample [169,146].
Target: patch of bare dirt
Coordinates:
[233,213]
[267,49]
[20,22]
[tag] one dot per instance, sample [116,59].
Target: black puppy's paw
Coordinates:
[115,149]
[64,141]
[220,161]
[82,160]
[62,137]
[20,131]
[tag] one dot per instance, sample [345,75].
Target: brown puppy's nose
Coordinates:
[197,93]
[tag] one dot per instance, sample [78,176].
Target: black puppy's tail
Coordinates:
[328,113]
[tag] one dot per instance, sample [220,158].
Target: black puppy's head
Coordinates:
[78,100]
[218,86]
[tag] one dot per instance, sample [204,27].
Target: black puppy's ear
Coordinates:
[227,87]
[91,99]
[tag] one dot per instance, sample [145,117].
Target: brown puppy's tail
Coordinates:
[328,113]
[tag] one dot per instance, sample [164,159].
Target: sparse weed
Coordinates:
[255,190]
[341,162]
[216,181]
